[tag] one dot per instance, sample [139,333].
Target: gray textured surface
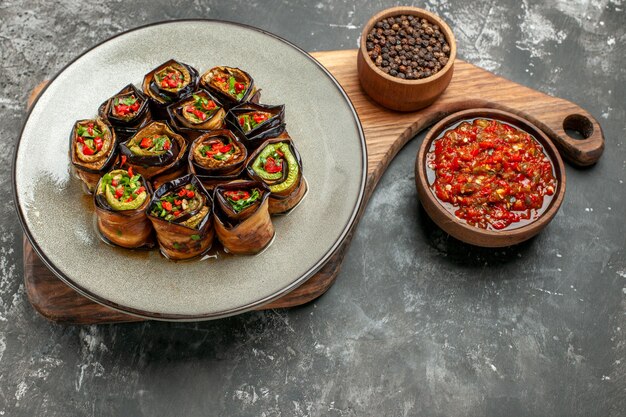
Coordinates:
[417,324]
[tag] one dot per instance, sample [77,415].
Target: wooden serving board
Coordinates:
[386,132]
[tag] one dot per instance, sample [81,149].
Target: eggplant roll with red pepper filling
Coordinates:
[181,214]
[126,111]
[196,114]
[256,122]
[217,153]
[155,150]
[121,200]
[277,163]
[92,150]
[231,86]
[168,83]
[242,218]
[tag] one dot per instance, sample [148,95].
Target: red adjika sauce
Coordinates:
[493,175]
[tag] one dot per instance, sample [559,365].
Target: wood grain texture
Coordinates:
[386,132]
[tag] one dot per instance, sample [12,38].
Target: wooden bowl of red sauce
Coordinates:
[489,178]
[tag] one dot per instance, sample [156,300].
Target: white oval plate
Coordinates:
[57,217]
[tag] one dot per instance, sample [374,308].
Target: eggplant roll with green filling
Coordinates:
[196,114]
[168,83]
[181,214]
[256,122]
[121,200]
[217,153]
[242,219]
[277,163]
[155,150]
[231,86]
[126,111]
[93,149]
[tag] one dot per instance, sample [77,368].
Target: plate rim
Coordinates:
[202,316]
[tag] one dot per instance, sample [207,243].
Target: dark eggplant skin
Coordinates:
[177,241]
[89,173]
[281,202]
[126,228]
[160,98]
[196,168]
[152,166]
[270,129]
[248,232]
[189,130]
[126,128]
[251,93]
[212,181]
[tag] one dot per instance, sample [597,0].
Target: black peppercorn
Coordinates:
[407,47]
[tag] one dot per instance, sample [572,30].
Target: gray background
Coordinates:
[417,323]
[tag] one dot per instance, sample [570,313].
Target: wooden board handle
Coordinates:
[580,152]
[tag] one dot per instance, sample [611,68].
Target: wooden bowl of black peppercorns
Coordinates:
[406,58]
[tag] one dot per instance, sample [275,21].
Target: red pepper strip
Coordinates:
[119,192]
[87,150]
[237,195]
[98,142]
[145,143]
[176,213]
[80,139]
[130,172]
[123,161]
[190,194]
[226,148]
[182,193]
[167,206]
[259,117]
[167,145]
[199,114]
[239,87]
[271,166]
[122,109]
[140,190]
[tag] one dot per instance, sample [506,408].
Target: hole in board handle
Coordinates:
[577,126]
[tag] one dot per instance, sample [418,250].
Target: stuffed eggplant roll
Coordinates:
[92,150]
[181,214]
[120,201]
[126,111]
[196,114]
[242,219]
[277,163]
[155,150]
[256,122]
[231,86]
[217,153]
[168,83]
